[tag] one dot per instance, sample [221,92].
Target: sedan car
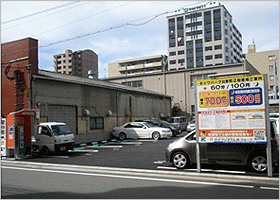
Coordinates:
[182,152]
[141,130]
[163,124]
[191,126]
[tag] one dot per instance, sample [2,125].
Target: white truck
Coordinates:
[53,137]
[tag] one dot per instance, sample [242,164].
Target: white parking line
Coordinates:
[84,150]
[204,170]
[104,147]
[55,156]
[268,188]
[159,162]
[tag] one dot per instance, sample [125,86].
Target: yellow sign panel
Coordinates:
[230,80]
[213,99]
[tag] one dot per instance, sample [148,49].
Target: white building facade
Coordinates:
[202,36]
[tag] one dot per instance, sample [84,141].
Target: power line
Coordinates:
[96,32]
[83,18]
[44,16]
[40,12]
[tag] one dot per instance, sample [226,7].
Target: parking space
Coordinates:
[136,154]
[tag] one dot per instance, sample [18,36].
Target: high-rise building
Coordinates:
[78,63]
[202,36]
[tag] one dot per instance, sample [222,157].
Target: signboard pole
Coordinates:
[268,131]
[197,136]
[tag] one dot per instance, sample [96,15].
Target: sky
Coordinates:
[118,30]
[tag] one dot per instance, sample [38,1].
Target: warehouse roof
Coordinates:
[43,74]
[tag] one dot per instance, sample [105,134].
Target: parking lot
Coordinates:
[135,154]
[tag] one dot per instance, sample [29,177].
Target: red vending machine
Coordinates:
[18,133]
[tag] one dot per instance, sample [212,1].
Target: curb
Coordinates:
[143,172]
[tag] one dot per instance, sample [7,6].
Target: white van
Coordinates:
[180,122]
[53,137]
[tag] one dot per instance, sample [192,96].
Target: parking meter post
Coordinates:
[197,135]
[268,133]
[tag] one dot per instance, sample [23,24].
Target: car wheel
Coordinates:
[258,163]
[180,160]
[122,136]
[45,150]
[156,135]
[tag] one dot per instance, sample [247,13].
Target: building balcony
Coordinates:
[207,26]
[199,18]
[217,15]
[190,55]
[217,24]
[187,21]
[208,35]
[171,24]
[138,67]
[199,54]
[217,33]
[190,64]
[180,31]
[199,63]
[189,46]
[207,17]
[198,45]
[180,23]
[172,41]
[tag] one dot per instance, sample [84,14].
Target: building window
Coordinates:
[137,84]
[209,57]
[271,77]
[172,62]
[218,56]
[96,123]
[271,58]
[217,47]
[270,67]
[194,78]
[181,52]
[172,53]
[193,110]
[208,48]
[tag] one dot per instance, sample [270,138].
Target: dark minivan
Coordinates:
[182,152]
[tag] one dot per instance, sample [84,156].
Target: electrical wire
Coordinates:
[3,29]
[40,12]
[71,23]
[96,32]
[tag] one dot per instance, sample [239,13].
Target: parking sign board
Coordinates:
[231,110]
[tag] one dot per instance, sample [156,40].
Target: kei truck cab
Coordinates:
[53,137]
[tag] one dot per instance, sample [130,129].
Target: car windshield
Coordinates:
[175,120]
[192,122]
[149,125]
[60,130]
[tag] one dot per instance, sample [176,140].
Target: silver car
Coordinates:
[141,130]
[182,152]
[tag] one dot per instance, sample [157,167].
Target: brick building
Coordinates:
[18,58]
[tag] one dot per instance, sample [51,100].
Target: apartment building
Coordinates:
[202,36]
[266,62]
[135,66]
[82,63]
